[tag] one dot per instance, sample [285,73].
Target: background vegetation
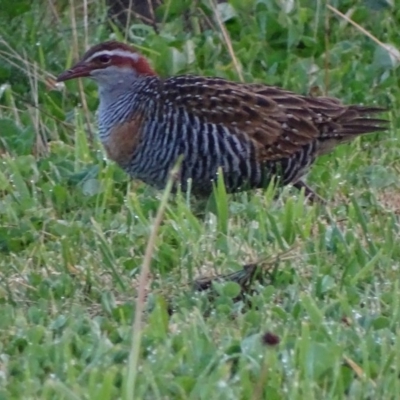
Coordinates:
[324,323]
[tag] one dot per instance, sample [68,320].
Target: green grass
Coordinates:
[74,229]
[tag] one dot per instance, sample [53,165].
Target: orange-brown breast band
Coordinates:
[124,139]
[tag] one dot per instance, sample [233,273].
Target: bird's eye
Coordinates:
[104,59]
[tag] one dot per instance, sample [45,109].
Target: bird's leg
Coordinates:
[309,193]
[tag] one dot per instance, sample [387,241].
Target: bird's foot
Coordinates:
[309,193]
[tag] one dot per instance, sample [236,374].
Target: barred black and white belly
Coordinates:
[205,148]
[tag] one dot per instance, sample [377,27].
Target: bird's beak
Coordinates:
[79,70]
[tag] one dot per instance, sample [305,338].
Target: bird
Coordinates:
[252,133]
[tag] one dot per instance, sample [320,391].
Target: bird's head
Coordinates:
[109,63]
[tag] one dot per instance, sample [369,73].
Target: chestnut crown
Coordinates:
[108,56]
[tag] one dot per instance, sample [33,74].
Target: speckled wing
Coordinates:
[279,122]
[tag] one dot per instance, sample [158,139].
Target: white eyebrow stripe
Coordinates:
[122,53]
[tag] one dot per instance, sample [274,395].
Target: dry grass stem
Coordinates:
[143,283]
[365,32]
[227,41]
[82,96]
[128,19]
